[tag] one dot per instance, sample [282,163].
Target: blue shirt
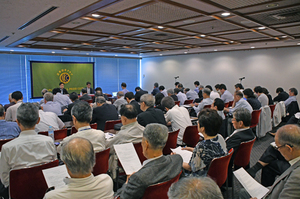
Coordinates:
[227,96]
[9,130]
[155,91]
[52,107]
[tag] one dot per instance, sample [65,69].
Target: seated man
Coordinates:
[177,117]
[213,94]
[49,105]
[218,105]
[82,115]
[129,96]
[181,96]
[62,89]
[11,102]
[251,99]
[163,90]
[191,94]
[29,149]
[211,147]
[138,93]
[157,168]
[85,95]
[170,93]
[63,100]
[89,89]
[239,102]
[206,101]
[287,140]
[124,89]
[196,83]
[120,101]
[292,96]
[67,112]
[155,89]
[226,96]
[103,112]
[8,130]
[195,188]
[150,114]
[262,98]
[79,158]
[43,93]
[11,112]
[281,95]
[239,87]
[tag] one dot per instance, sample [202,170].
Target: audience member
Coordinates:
[29,149]
[60,98]
[226,96]
[150,114]
[62,88]
[129,96]
[8,130]
[74,98]
[218,105]
[79,158]
[120,101]
[181,96]
[138,93]
[196,83]
[177,117]
[239,102]
[213,94]
[211,147]
[217,87]
[98,93]
[11,102]
[157,168]
[251,99]
[281,95]
[206,101]
[190,94]
[176,84]
[266,92]
[158,98]
[201,87]
[180,87]
[195,188]
[170,92]
[89,89]
[155,90]
[292,96]
[262,98]
[103,113]
[239,87]
[163,90]
[11,112]
[123,86]
[43,93]
[85,95]
[49,105]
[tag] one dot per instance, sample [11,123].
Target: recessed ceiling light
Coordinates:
[160,54]
[298,43]
[96,15]
[87,53]
[252,47]
[52,52]
[231,41]
[225,14]
[140,56]
[116,55]
[284,36]
[11,50]
[202,35]
[215,50]
[185,52]
[160,27]
[261,28]
[272,5]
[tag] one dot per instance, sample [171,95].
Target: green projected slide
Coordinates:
[49,74]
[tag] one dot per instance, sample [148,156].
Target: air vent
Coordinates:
[6,37]
[37,18]
[286,15]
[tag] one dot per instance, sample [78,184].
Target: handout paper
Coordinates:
[54,176]
[186,155]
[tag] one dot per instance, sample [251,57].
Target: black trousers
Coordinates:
[4,191]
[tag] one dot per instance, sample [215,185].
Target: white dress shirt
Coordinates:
[181,97]
[48,119]
[241,104]
[192,95]
[227,96]
[164,92]
[11,112]
[214,95]
[205,101]
[53,107]
[64,100]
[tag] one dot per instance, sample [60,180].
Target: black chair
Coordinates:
[291,110]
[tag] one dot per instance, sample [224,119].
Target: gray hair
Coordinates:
[44,91]
[207,91]
[201,86]
[100,100]
[37,105]
[168,102]
[48,96]
[148,99]
[28,115]
[2,110]
[9,96]
[289,134]
[244,115]
[171,91]
[120,94]
[195,188]
[82,111]
[156,135]
[78,155]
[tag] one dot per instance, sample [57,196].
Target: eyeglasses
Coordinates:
[278,147]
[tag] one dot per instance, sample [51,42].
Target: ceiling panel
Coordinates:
[244,36]
[122,5]
[157,35]
[75,37]
[238,3]
[102,26]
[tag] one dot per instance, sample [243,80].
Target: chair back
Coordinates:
[94,126]
[89,101]
[230,103]
[218,168]
[191,136]
[108,95]
[58,134]
[101,165]
[272,107]
[188,101]
[177,103]
[226,105]
[4,141]
[139,150]
[171,142]
[242,156]
[206,106]
[110,124]
[255,118]
[29,182]
[160,190]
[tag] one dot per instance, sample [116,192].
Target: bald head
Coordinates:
[289,134]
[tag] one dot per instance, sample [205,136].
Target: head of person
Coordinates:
[27,116]
[195,188]
[201,87]
[238,87]
[176,91]
[158,98]
[100,100]
[161,88]
[98,89]
[44,91]
[209,122]
[258,90]
[209,87]
[222,88]
[265,91]
[241,118]
[83,91]
[248,93]
[56,90]
[279,90]
[146,101]
[154,140]
[73,96]
[128,114]
[196,83]
[206,93]
[217,87]
[61,85]
[293,92]
[180,86]
[168,103]
[156,85]
[237,96]
[2,111]
[88,84]
[17,95]
[218,105]
[98,93]
[176,84]
[37,105]
[170,91]
[129,96]
[120,94]
[137,89]
[287,140]
[81,114]
[48,97]
[186,90]
[79,157]
[123,85]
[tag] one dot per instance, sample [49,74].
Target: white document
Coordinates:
[109,136]
[185,154]
[250,184]
[54,176]
[128,157]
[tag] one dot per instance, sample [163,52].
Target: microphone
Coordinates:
[242,78]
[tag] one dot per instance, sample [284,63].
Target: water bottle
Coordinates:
[51,132]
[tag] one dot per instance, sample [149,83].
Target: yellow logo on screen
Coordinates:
[64,75]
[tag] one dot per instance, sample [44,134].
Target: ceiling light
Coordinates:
[160,27]
[252,47]
[272,5]
[261,28]
[202,35]
[53,52]
[225,14]
[11,50]
[215,50]
[298,43]
[185,52]
[231,41]
[65,48]
[160,54]
[284,36]
[116,55]
[87,53]
[96,15]
[140,56]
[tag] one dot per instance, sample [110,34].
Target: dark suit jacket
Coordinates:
[175,98]
[236,139]
[67,113]
[138,94]
[65,91]
[92,90]
[137,106]
[156,171]
[281,97]
[103,113]
[151,115]
[85,97]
